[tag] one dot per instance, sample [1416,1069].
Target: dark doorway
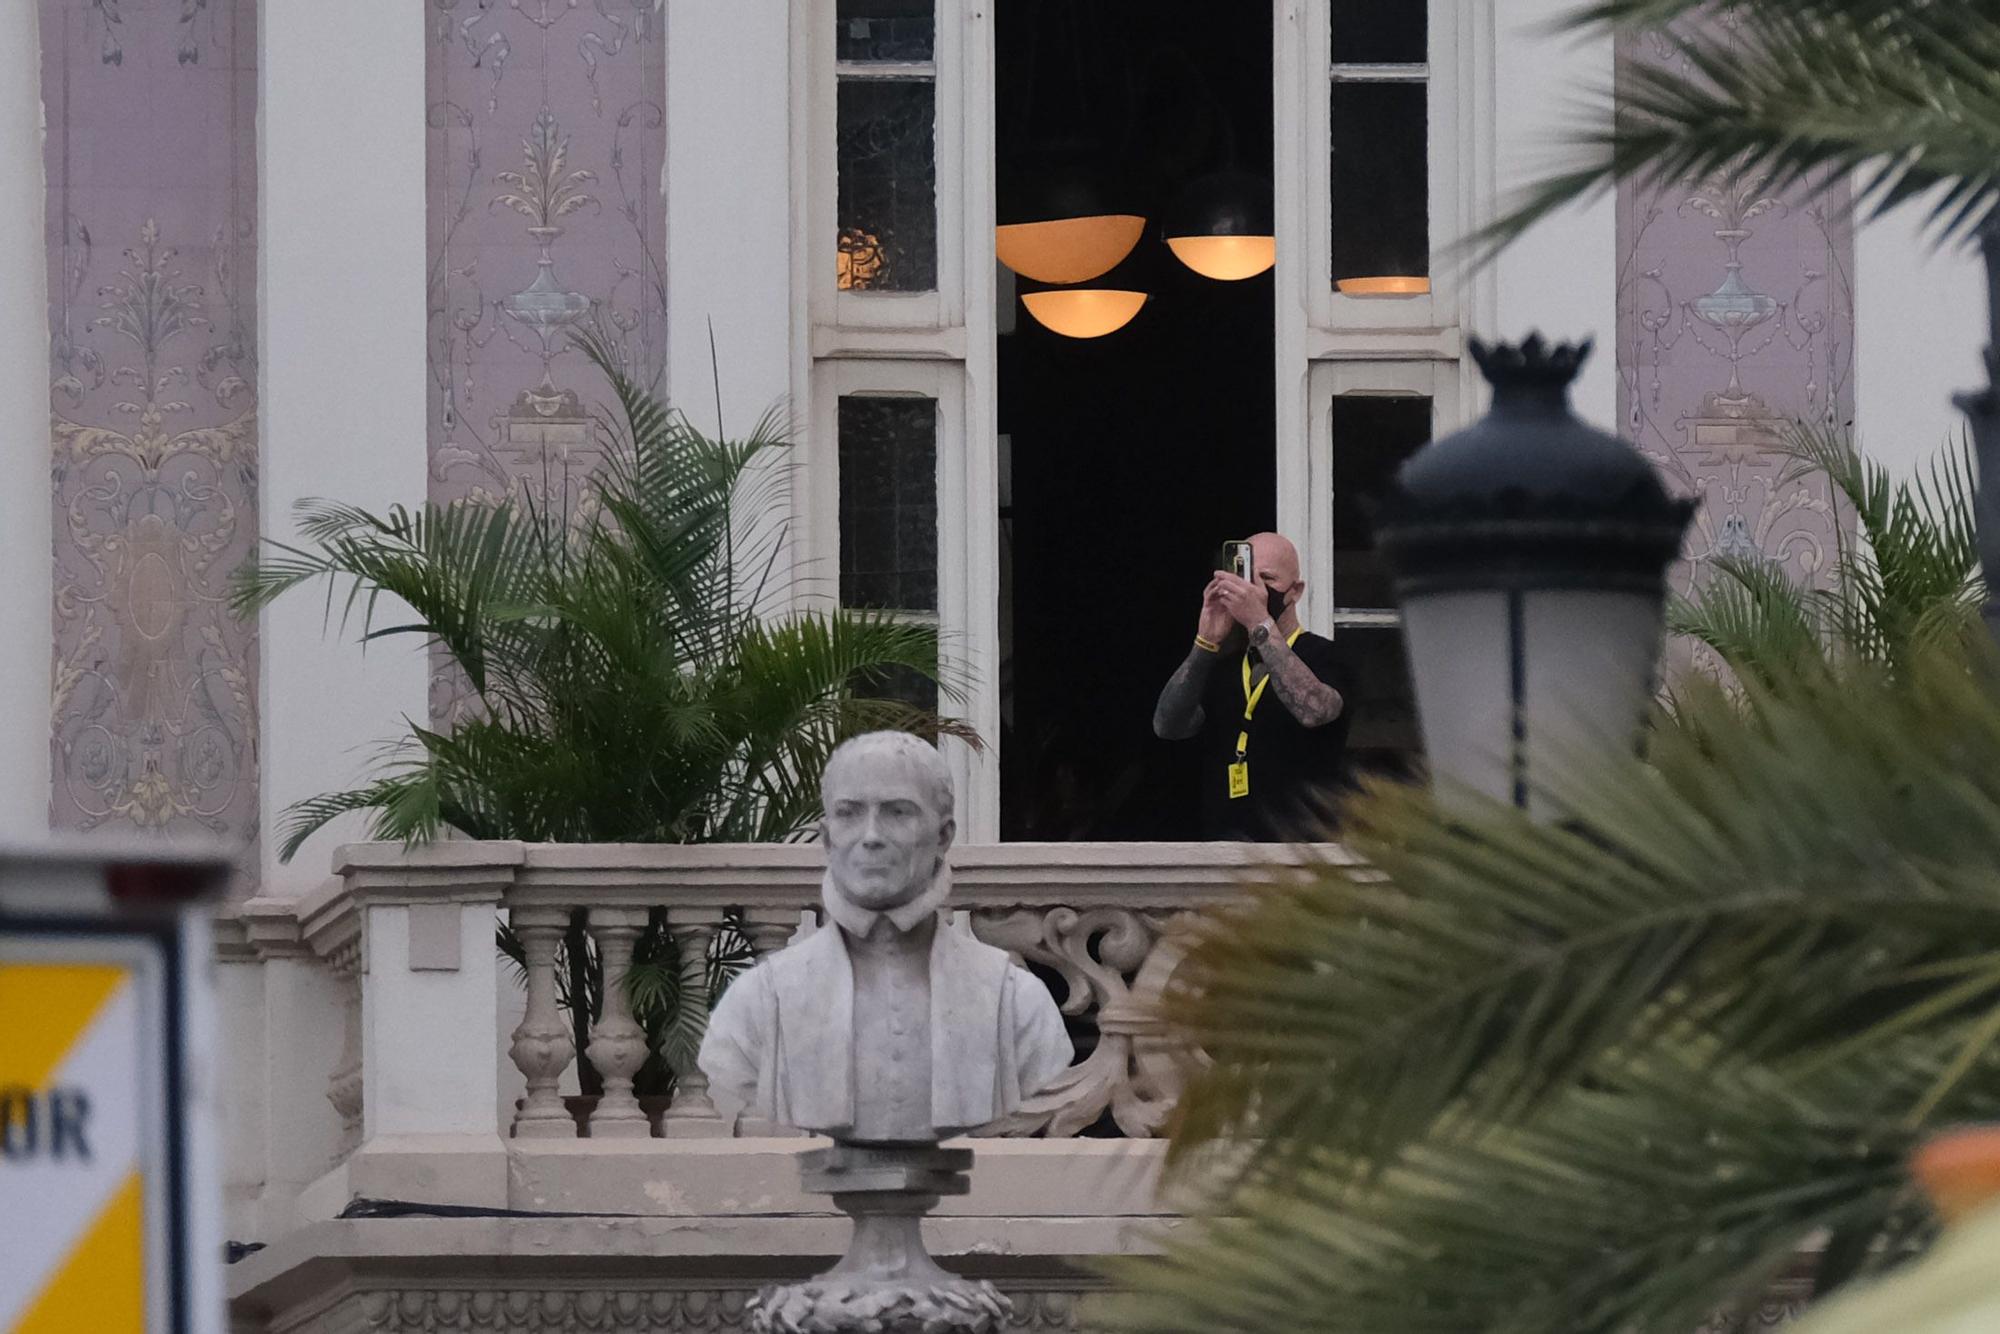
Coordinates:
[1126,459]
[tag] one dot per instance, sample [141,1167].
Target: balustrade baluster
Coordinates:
[770,928]
[542,1048]
[693,1114]
[617,1043]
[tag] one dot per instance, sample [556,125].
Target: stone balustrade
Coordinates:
[1104,928]
[381,1049]
[425,1091]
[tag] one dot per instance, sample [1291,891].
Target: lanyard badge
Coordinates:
[1239,771]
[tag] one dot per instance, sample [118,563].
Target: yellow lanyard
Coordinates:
[1250,697]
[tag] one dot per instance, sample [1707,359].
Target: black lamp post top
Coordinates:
[1529,495]
[1530,364]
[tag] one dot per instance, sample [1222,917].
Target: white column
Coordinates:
[24,437]
[343,301]
[729,209]
[1919,323]
[1562,277]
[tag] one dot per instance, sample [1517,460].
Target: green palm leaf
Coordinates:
[1905,575]
[1907,93]
[629,680]
[1609,1073]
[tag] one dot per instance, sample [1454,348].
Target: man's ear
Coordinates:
[947,831]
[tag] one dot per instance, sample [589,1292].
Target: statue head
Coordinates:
[888,822]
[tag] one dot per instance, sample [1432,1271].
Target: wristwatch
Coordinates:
[1262,634]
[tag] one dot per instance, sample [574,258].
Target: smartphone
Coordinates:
[1238,556]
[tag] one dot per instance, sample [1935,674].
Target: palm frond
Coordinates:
[1656,1198]
[404,803]
[626,687]
[1755,617]
[1598,14]
[1904,575]
[1906,94]
[1608,1073]
[1501,956]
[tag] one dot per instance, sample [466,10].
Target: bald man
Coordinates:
[1262,697]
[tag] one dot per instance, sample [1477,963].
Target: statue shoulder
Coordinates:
[972,954]
[786,964]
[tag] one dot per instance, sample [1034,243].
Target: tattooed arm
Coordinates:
[1307,698]
[1178,715]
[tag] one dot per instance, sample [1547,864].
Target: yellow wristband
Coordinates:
[1206,645]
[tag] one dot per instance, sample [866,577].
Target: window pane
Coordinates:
[888,503]
[888,185]
[1372,435]
[899,684]
[1381,180]
[1378,32]
[885,30]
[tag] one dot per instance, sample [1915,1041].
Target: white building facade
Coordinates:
[285,251]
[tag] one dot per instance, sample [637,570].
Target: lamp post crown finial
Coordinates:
[1532,363]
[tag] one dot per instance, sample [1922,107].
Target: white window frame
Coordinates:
[1433,379]
[1330,343]
[939,384]
[1459,84]
[907,312]
[941,343]
[934,344]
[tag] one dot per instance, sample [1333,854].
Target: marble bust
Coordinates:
[887,1025]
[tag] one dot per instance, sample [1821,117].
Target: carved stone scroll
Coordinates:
[1115,962]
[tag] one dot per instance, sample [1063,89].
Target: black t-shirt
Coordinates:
[1293,770]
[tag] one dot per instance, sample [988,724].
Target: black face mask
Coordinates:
[1275,601]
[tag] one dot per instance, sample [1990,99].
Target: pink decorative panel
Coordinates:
[547,146]
[151,163]
[1735,315]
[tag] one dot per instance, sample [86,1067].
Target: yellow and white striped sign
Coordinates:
[80,1129]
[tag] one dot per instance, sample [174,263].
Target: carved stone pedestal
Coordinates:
[887,1282]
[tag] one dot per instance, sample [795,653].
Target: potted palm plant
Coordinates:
[625,677]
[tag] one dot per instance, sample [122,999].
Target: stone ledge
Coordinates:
[1161,876]
[324,1263]
[750,1178]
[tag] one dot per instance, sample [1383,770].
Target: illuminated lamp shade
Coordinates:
[1225,258]
[1386,285]
[1068,250]
[1084,312]
[1064,215]
[1221,227]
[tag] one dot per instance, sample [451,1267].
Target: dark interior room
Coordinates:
[1127,459]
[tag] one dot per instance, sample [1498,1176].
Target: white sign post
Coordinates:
[108,1200]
